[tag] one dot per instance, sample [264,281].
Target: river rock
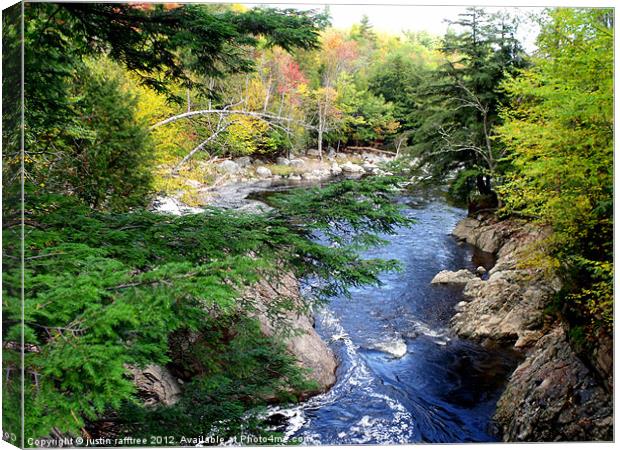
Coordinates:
[310,176]
[460,277]
[481,270]
[297,162]
[304,343]
[552,396]
[460,305]
[170,205]
[370,168]
[503,308]
[350,167]
[335,169]
[396,347]
[487,237]
[229,166]
[510,305]
[243,161]
[294,177]
[313,152]
[263,172]
[155,385]
[282,161]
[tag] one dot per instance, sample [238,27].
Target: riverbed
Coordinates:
[403,377]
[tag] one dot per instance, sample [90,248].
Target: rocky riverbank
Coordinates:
[554,394]
[158,385]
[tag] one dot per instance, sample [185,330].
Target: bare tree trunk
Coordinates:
[281,104]
[267,95]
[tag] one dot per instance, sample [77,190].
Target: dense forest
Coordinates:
[127,102]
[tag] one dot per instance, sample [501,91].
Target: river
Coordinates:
[403,377]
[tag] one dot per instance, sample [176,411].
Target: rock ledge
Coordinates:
[552,395]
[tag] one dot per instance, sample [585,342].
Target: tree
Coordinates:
[461,102]
[338,55]
[167,48]
[91,309]
[559,130]
[367,118]
[109,165]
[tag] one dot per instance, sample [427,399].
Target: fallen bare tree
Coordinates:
[225,119]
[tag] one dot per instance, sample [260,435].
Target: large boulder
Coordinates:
[296,329]
[297,162]
[335,169]
[510,305]
[229,166]
[244,161]
[459,278]
[552,396]
[507,308]
[350,167]
[283,161]
[155,385]
[263,172]
[487,237]
[369,167]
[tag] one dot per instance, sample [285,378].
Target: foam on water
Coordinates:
[402,377]
[395,428]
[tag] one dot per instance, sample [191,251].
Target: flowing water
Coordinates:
[403,377]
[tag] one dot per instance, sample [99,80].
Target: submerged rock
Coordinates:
[396,347]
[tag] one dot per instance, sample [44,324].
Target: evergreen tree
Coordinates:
[460,103]
[106,290]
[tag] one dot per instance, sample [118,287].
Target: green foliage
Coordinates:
[367,118]
[463,185]
[235,372]
[106,290]
[80,115]
[109,165]
[149,40]
[456,106]
[559,130]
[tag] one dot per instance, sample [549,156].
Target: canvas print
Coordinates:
[254,224]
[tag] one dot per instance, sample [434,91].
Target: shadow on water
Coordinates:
[403,376]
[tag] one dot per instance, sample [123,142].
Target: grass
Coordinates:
[282,170]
